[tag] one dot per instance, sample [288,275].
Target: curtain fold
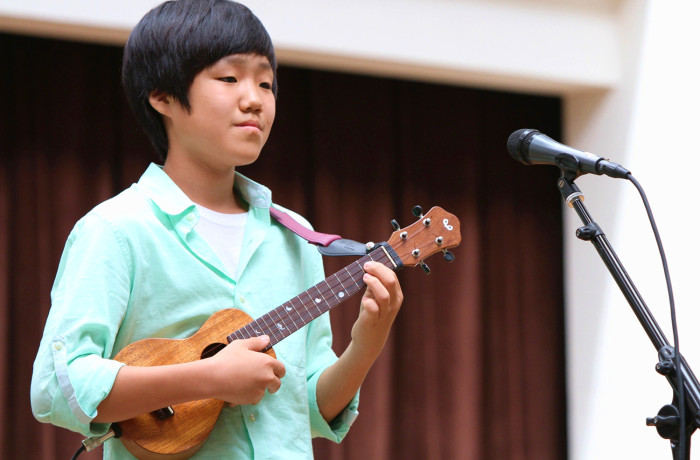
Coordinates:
[474,367]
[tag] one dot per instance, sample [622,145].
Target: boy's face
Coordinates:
[232,109]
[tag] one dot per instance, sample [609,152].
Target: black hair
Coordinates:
[174,42]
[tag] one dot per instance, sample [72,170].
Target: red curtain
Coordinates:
[474,368]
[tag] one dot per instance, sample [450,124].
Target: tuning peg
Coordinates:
[417,211]
[448,256]
[425,268]
[395,224]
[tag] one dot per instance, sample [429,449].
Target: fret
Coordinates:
[277,328]
[353,279]
[287,318]
[334,294]
[253,329]
[317,300]
[282,325]
[344,292]
[269,330]
[303,318]
[238,335]
[356,278]
[311,303]
[289,309]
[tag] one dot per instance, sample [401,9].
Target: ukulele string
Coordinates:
[262,325]
[338,296]
[329,297]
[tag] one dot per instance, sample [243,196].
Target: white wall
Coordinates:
[541,45]
[626,71]
[648,123]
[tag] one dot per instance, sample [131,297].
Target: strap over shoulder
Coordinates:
[328,244]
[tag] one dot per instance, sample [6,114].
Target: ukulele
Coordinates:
[179,431]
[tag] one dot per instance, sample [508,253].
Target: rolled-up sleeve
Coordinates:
[72,371]
[320,356]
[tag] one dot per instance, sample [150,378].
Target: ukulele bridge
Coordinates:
[164,413]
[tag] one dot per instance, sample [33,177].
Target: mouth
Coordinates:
[251,125]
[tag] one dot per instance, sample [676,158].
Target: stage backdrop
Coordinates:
[474,367]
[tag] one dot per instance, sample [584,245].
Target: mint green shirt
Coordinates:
[133,268]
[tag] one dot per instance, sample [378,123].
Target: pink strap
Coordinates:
[322,239]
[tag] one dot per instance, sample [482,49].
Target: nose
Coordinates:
[251,100]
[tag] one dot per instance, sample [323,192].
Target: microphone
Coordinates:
[531,147]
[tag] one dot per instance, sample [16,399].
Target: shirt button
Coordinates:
[190,217]
[252,417]
[58,346]
[242,299]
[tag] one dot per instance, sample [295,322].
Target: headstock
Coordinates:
[436,231]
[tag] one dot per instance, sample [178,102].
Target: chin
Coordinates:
[245,160]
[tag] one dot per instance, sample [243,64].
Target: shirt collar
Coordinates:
[161,189]
[254,194]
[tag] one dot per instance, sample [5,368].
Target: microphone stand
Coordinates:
[667,421]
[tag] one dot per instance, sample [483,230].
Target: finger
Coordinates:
[258,397]
[370,309]
[253,343]
[383,286]
[380,271]
[386,277]
[375,289]
[274,385]
[278,368]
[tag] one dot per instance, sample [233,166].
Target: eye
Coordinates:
[228,79]
[266,85]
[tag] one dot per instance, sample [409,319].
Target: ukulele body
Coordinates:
[182,434]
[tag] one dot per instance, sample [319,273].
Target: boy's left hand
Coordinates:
[379,306]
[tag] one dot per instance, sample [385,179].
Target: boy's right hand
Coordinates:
[240,373]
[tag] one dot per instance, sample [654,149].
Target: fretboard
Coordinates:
[315,301]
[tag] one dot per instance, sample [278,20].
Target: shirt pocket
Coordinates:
[292,349]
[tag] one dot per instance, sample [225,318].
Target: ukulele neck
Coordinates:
[317,300]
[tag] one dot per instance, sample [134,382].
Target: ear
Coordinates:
[161,102]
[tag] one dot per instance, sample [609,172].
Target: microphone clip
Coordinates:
[568,189]
[570,165]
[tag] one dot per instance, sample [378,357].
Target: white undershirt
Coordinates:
[224,233]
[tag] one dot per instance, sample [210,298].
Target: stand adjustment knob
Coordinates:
[665,367]
[588,232]
[666,422]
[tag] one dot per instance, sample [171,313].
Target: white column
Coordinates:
[649,123]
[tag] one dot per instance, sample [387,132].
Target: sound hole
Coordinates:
[212,349]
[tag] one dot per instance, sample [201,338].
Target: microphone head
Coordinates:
[519,143]
[531,147]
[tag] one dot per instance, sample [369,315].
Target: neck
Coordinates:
[207,187]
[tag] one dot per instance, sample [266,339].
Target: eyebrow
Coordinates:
[237,60]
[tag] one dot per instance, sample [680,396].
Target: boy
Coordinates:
[194,237]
